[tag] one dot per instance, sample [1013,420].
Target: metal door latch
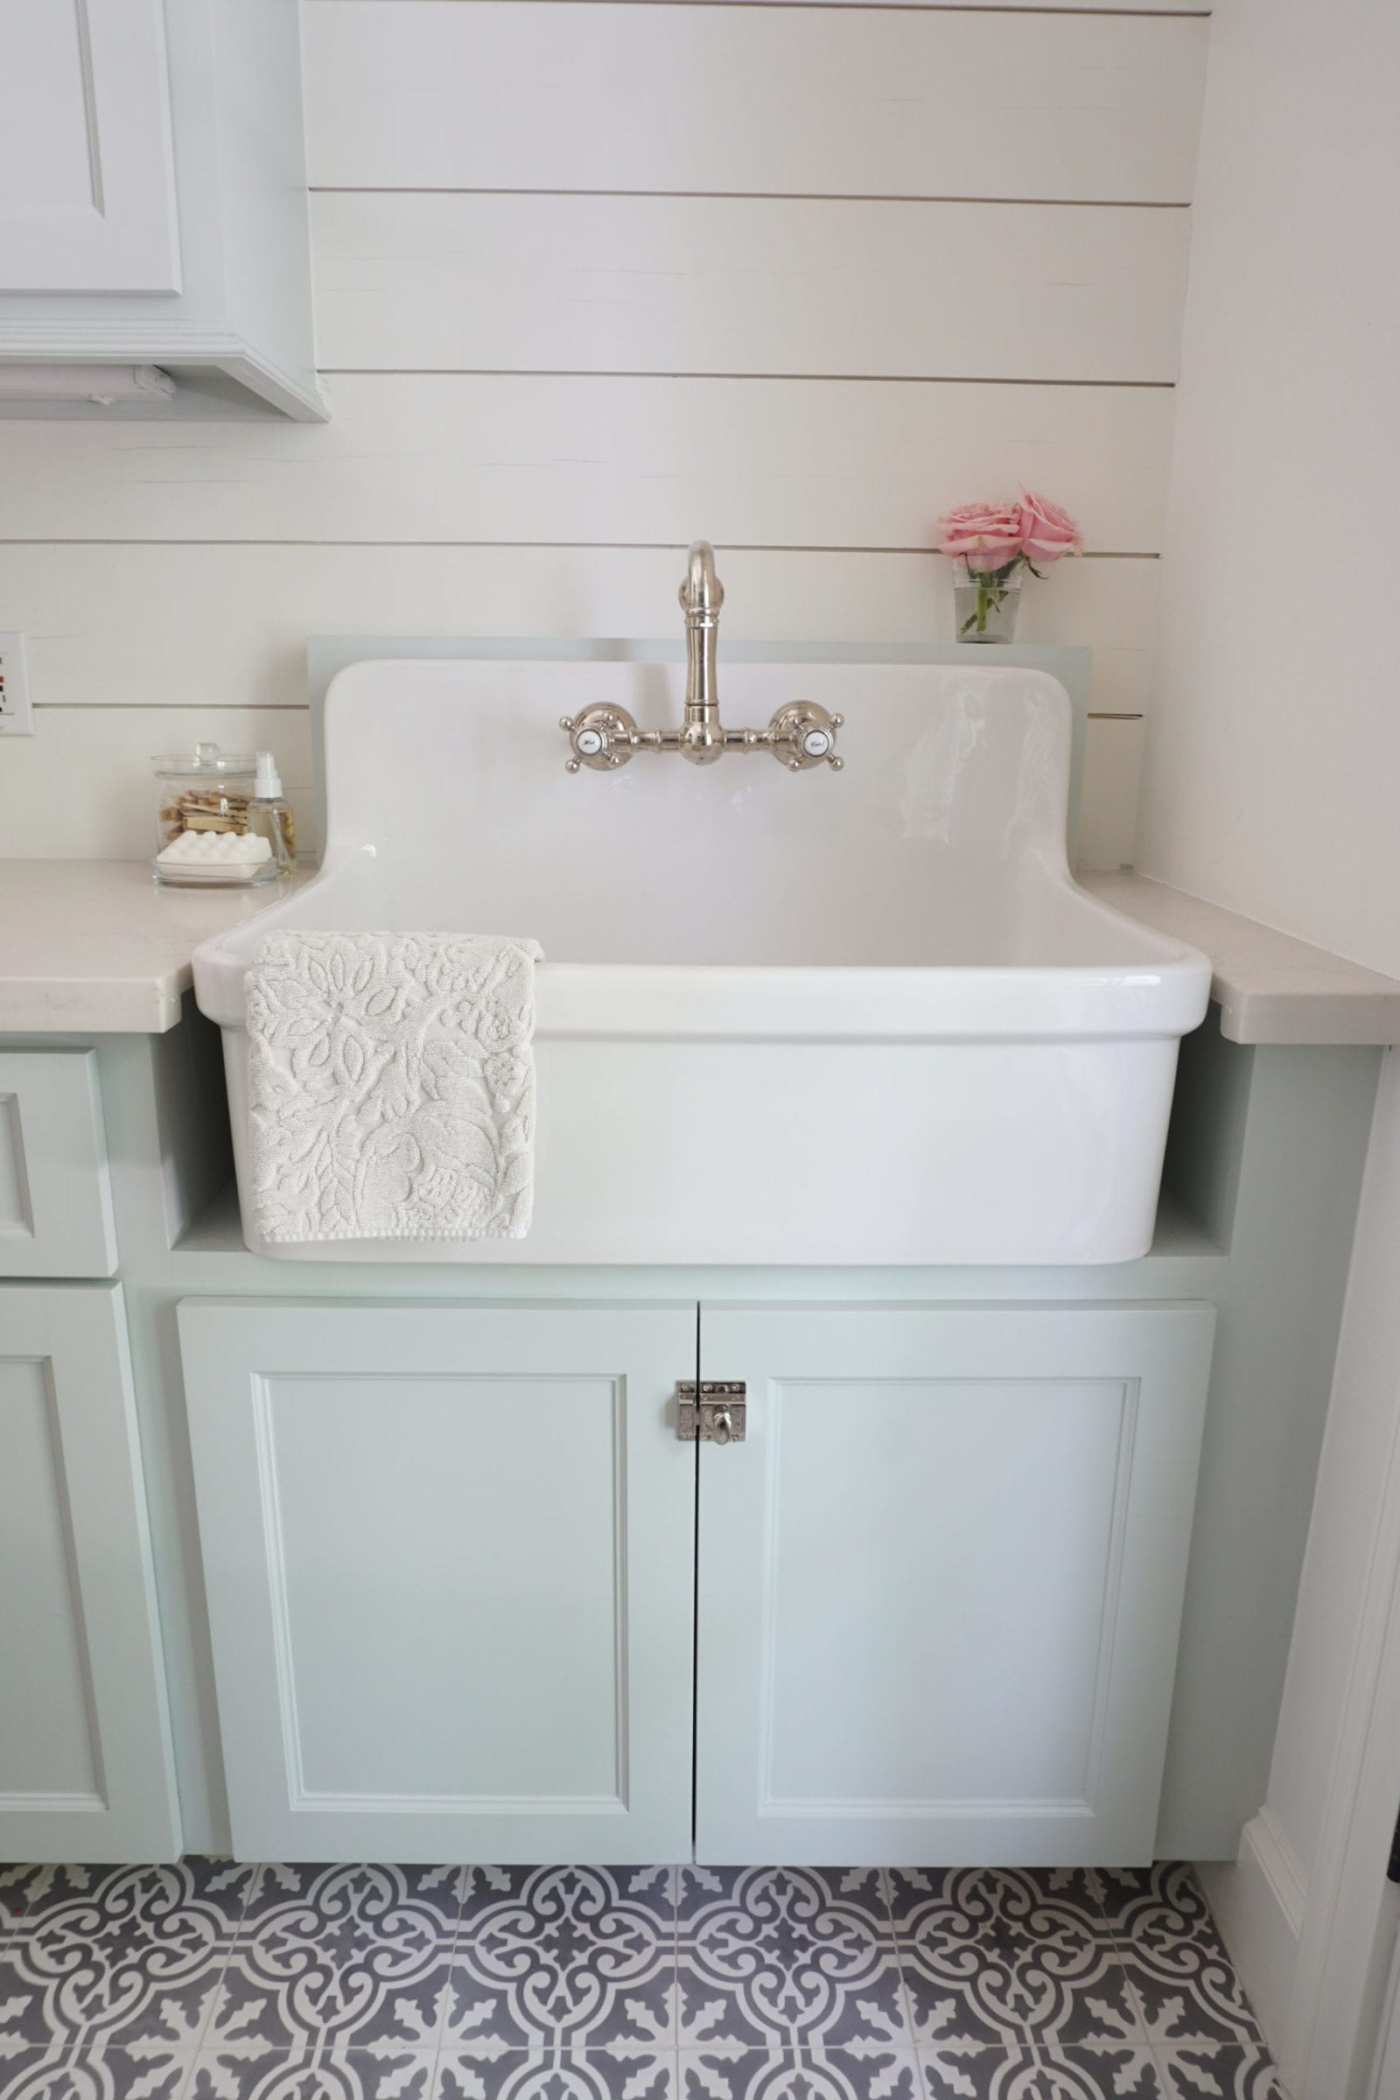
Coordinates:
[713,1412]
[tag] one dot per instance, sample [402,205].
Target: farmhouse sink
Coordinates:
[855,1016]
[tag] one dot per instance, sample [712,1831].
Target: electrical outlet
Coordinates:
[16,713]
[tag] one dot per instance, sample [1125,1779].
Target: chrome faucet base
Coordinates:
[799,735]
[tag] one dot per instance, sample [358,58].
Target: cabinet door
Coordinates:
[449,1558]
[87,199]
[940,1582]
[86,1770]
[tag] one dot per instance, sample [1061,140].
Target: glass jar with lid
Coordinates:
[202,834]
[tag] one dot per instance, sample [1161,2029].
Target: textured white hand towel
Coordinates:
[392,1086]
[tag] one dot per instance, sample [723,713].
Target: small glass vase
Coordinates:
[985,602]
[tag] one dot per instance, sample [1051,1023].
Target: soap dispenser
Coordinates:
[268,815]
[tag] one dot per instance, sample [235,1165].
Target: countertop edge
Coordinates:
[1271,988]
[106,1006]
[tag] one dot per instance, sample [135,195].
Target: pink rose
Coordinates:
[984,535]
[1046,531]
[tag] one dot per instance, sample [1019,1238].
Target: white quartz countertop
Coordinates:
[1269,987]
[95,947]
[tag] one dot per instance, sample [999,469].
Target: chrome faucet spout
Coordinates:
[701,596]
[702,591]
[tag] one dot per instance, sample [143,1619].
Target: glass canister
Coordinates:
[202,834]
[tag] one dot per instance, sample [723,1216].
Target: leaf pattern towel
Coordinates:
[392,1086]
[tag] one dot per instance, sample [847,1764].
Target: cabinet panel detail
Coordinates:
[85,1760]
[55,1200]
[48,1737]
[449,1557]
[454,1522]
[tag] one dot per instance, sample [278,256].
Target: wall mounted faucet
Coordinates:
[800,735]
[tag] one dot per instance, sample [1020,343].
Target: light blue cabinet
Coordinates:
[452,1567]
[449,1554]
[940,1581]
[86,1768]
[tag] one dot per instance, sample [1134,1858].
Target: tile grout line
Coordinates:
[454,1941]
[886,1884]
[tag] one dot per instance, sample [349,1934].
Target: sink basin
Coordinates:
[831,1017]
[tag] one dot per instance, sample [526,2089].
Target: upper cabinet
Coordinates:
[153,209]
[86,172]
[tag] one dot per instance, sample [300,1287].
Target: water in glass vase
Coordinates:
[985,602]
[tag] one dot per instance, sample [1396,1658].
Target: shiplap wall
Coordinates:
[594,279]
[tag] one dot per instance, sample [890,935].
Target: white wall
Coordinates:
[556,355]
[1273,765]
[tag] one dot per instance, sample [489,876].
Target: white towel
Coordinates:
[392,1086]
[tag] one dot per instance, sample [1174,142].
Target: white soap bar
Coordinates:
[214,849]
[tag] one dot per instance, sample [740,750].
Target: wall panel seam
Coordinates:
[301,707]
[804,378]
[579,546]
[862,7]
[430,189]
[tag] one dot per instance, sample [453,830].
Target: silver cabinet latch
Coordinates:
[713,1412]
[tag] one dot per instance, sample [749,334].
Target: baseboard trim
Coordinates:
[1259,1904]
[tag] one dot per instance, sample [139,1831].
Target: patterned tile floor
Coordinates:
[209,1981]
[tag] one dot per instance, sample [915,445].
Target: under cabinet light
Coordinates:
[103,384]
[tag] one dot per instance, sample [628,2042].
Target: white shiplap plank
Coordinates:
[508,94]
[126,626]
[81,786]
[1088,7]
[425,281]
[808,463]
[1108,7]
[1109,791]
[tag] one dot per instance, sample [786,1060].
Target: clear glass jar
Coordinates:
[985,603]
[202,803]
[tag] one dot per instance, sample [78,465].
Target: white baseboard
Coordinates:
[1259,1904]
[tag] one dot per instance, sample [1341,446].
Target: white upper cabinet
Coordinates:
[153,204]
[87,185]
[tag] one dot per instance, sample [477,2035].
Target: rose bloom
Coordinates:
[984,535]
[1046,531]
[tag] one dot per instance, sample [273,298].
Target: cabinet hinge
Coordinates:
[713,1412]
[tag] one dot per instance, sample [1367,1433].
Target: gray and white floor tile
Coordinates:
[208,1981]
[1123,2072]
[871,2073]
[563,1958]
[774,1958]
[1009,1961]
[559,2074]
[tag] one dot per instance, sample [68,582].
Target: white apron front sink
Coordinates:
[854,1017]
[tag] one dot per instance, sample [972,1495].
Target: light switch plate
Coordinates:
[16,712]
